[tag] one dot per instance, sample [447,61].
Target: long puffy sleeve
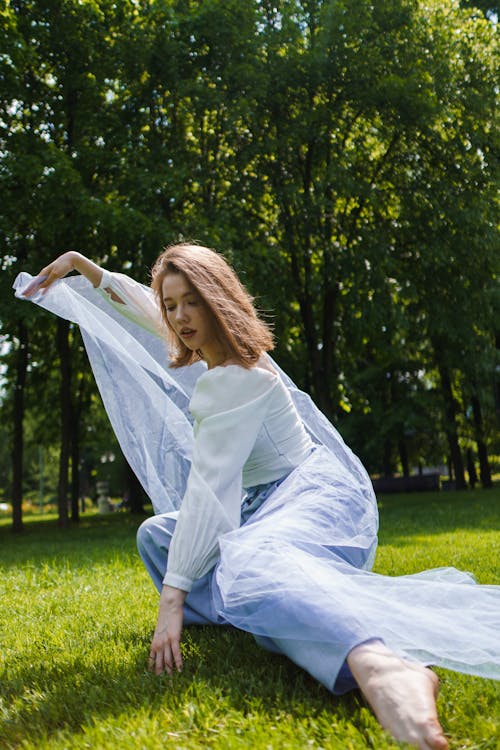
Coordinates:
[229,405]
[133,300]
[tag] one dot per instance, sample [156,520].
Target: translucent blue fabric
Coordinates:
[295,568]
[299,569]
[255,497]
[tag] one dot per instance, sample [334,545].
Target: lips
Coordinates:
[187,333]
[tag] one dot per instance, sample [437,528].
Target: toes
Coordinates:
[435,739]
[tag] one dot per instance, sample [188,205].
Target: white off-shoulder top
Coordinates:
[246,432]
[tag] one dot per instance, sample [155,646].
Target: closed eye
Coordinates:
[192,301]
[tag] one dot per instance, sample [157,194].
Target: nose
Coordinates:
[181,312]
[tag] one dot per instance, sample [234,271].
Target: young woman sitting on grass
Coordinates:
[277,529]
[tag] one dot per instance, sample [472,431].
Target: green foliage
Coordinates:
[343,156]
[75,636]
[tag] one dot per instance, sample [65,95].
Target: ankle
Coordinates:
[370,660]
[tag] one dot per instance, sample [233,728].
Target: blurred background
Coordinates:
[343,156]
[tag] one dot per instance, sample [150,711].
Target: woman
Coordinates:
[290,563]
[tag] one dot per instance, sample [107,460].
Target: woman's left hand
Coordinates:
[165,652]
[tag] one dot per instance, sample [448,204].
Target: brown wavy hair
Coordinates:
[242,334]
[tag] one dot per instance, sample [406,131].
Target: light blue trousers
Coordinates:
[203,607]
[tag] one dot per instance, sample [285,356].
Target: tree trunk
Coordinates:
[133,492]
[320,387]
[450,468]
[471,469]
[18,433]
[387,458]
[496,382]
[451,428]
[76,472]
[328,354]
[403,455]
[63,349]
[75,477]
[482,452]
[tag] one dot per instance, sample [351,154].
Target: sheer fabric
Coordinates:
[300,567]
[229,405]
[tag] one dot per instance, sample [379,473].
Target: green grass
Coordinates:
[77,612]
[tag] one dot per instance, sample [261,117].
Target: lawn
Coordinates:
[76,620]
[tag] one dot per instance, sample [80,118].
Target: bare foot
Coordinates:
[402,695]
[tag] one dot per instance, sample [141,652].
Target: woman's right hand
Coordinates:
[60,267]
[165,652]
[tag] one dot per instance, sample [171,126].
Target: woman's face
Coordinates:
[190,317]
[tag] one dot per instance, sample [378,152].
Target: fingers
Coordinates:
[34,285]
[50,277]
[45,278]
[165,652]
[59,268]
[166,658]
[157,663]
[163,663]
[168,661]
[176,653]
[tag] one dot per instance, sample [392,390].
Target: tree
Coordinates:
[341,156]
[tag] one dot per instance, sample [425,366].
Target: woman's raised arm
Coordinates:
[130,298]
[60,267]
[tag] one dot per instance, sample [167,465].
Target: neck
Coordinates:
[214,357]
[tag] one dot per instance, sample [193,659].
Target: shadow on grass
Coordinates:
[225,672]
[95,539]
[98,539]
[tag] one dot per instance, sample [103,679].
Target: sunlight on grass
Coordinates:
[78,613]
